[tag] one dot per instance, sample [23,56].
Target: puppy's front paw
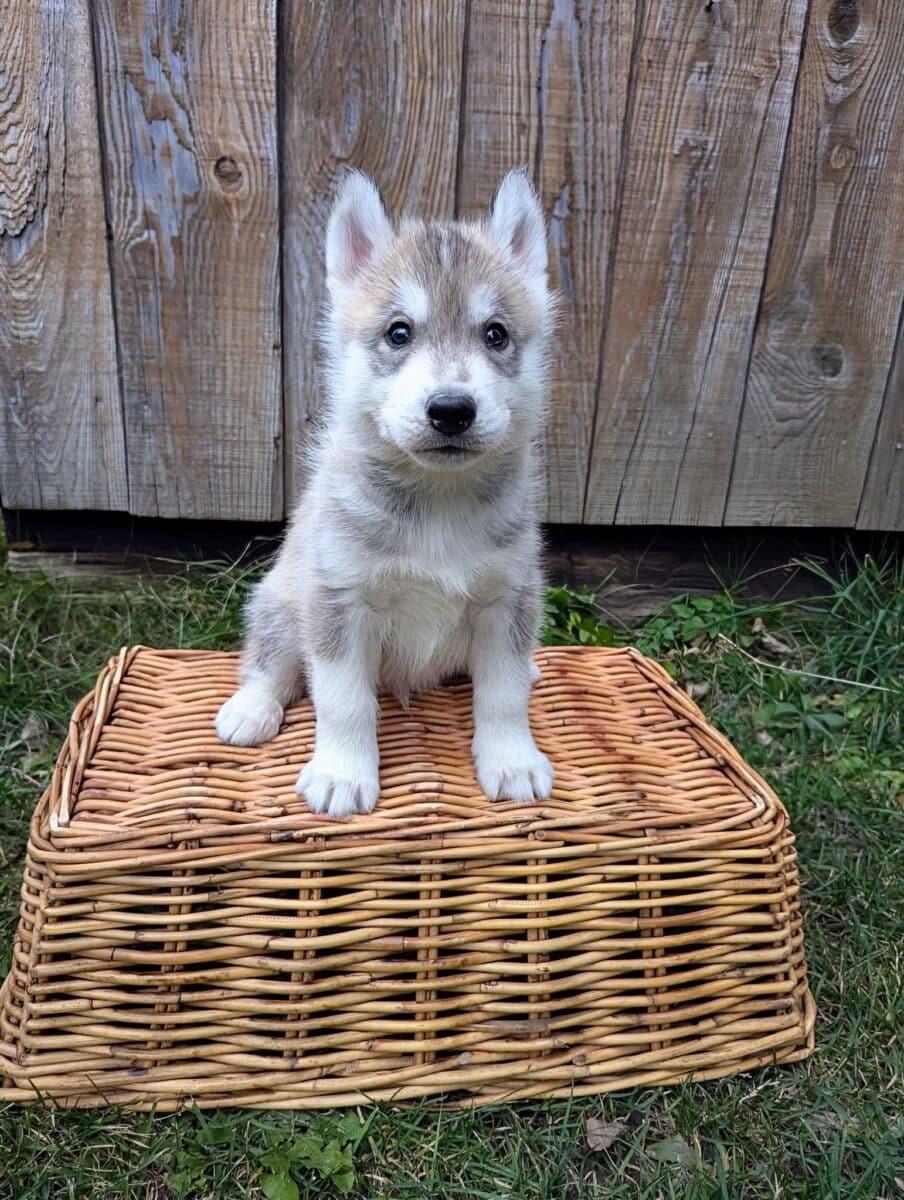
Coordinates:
[249,717]
[338,788]
[521,773]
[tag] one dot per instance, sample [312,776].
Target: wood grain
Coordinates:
[189,108]
[710,108]
[882,502]
[547,86]
[376,86]
[826,333]
[61,429]
[731,275]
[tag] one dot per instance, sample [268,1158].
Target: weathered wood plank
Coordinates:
[636,571]
[710,109]
[547,86]
[189,123]
[375,86]
[882,502]
[61,430]
[836,276]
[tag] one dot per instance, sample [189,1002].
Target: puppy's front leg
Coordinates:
[272,673]
[509,765]
[343,774]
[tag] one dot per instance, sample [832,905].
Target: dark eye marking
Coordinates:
[398,334]
[496,336]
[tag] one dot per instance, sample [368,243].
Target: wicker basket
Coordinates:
[190,932]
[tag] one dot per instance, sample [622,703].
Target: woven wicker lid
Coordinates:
[634,758]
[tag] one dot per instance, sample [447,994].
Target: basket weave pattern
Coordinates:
[191,932]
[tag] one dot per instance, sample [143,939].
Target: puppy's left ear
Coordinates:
[516,222]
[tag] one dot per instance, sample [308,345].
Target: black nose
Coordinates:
[451,414]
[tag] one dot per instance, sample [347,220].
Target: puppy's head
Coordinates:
[438,332]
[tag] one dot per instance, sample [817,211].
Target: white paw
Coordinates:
[249,717]
[519,773]
[535,673]
[338,788]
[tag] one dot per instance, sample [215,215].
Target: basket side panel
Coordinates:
[301,981]
[16,998]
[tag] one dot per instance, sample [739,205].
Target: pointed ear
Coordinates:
[358,229]
[516,222]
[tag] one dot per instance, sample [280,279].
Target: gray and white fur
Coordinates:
[414,554]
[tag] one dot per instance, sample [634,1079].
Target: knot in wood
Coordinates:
[829,359]
[228,172]
[843,20]
[842,155]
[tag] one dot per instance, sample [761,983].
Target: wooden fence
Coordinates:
[725,188]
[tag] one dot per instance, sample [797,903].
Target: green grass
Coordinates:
[828,1127]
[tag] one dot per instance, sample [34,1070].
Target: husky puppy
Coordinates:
[414,554]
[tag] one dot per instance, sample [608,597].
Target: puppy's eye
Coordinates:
[496,336]
[398,333]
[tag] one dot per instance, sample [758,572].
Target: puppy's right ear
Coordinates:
[359,228]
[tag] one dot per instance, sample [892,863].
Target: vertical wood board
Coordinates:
[61,428]
[547,86]
[882,502]
[835,280]
[710,108]
[189,108]
[374,86]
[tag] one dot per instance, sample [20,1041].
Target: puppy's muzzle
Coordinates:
[451,414]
